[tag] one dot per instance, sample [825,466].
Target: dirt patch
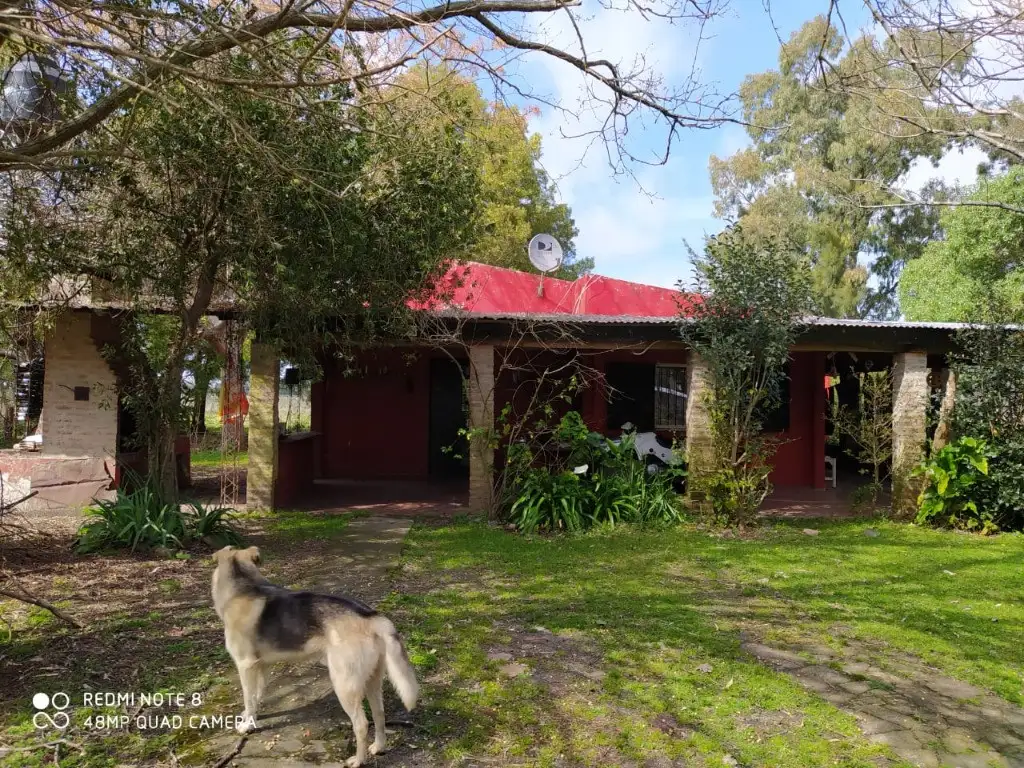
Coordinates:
[769,722]
[563,662]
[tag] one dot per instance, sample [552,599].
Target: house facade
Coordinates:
[500,345]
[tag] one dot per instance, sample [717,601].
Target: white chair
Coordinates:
[830,470]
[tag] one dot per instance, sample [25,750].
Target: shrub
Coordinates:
[596,482]
[142,519]
[988,410]
[755,291]
[958,493]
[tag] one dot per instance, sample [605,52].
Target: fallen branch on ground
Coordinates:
[230,755]
[24,596]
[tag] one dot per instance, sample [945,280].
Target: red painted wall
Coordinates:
[295,472]
[376,422]
[800,460]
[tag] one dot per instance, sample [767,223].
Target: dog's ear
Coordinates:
[252,553]
[221,553]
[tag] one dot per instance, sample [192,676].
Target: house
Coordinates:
[493,341]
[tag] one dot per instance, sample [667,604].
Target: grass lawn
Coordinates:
[635,637]
[616,648]
[213,459]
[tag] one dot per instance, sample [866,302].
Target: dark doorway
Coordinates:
[631,395]
[449,456]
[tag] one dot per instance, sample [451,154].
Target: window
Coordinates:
[647,396]
[670,397]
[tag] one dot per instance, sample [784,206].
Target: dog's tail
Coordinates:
[396,660]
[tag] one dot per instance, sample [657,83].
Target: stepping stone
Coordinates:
[514,670]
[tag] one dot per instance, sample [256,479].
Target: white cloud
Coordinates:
[635,237]
[956,167]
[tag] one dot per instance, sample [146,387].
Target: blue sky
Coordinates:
[637,232]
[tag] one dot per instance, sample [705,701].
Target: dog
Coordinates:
[265,623]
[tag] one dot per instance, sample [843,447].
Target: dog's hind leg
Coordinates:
[375,693]
[350,688]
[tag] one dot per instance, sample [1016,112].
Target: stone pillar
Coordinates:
[481,422]
[263,428]
[699,447]
[909,419]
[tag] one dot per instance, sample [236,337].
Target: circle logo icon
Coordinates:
[42,719]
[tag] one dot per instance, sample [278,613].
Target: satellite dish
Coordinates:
[545,253]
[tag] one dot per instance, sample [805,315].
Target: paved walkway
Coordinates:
[927,718]
[301,722]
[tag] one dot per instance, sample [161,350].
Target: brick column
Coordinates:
[699,447]
[481,417]
[909,415]
[79,392]
[263,428]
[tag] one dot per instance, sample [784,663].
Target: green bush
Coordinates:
[141,519]
[958,489]
[597,482]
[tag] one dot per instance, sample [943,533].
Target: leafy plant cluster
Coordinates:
[977,481]
[959,487]
[868,427]
[590,481]
[142,518]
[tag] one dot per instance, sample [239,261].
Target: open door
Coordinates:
[449,413]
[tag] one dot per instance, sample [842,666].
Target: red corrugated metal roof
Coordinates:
[482,289]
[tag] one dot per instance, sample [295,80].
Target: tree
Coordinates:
[944,71]
[114,53]
[518,198]
[869,425]
[815,175]
[754,296]
[958,278]
[315,216]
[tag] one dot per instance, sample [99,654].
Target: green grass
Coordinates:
[662,612]
[294,526]
[212,459]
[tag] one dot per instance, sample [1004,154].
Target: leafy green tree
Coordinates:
[815,174]
[977,264]
[518,198]
[314,215]
[755,294]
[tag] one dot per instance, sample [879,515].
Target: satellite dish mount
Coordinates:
[546,255]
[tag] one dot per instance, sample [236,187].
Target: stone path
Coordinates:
[927,718]
[300,721]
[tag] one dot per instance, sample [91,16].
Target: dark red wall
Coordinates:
[295,471]
[375,422]
[800,459]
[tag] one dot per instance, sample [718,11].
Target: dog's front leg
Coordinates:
[250,673]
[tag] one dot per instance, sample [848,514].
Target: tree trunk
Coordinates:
[202,390]
[163,466]
[942,429]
